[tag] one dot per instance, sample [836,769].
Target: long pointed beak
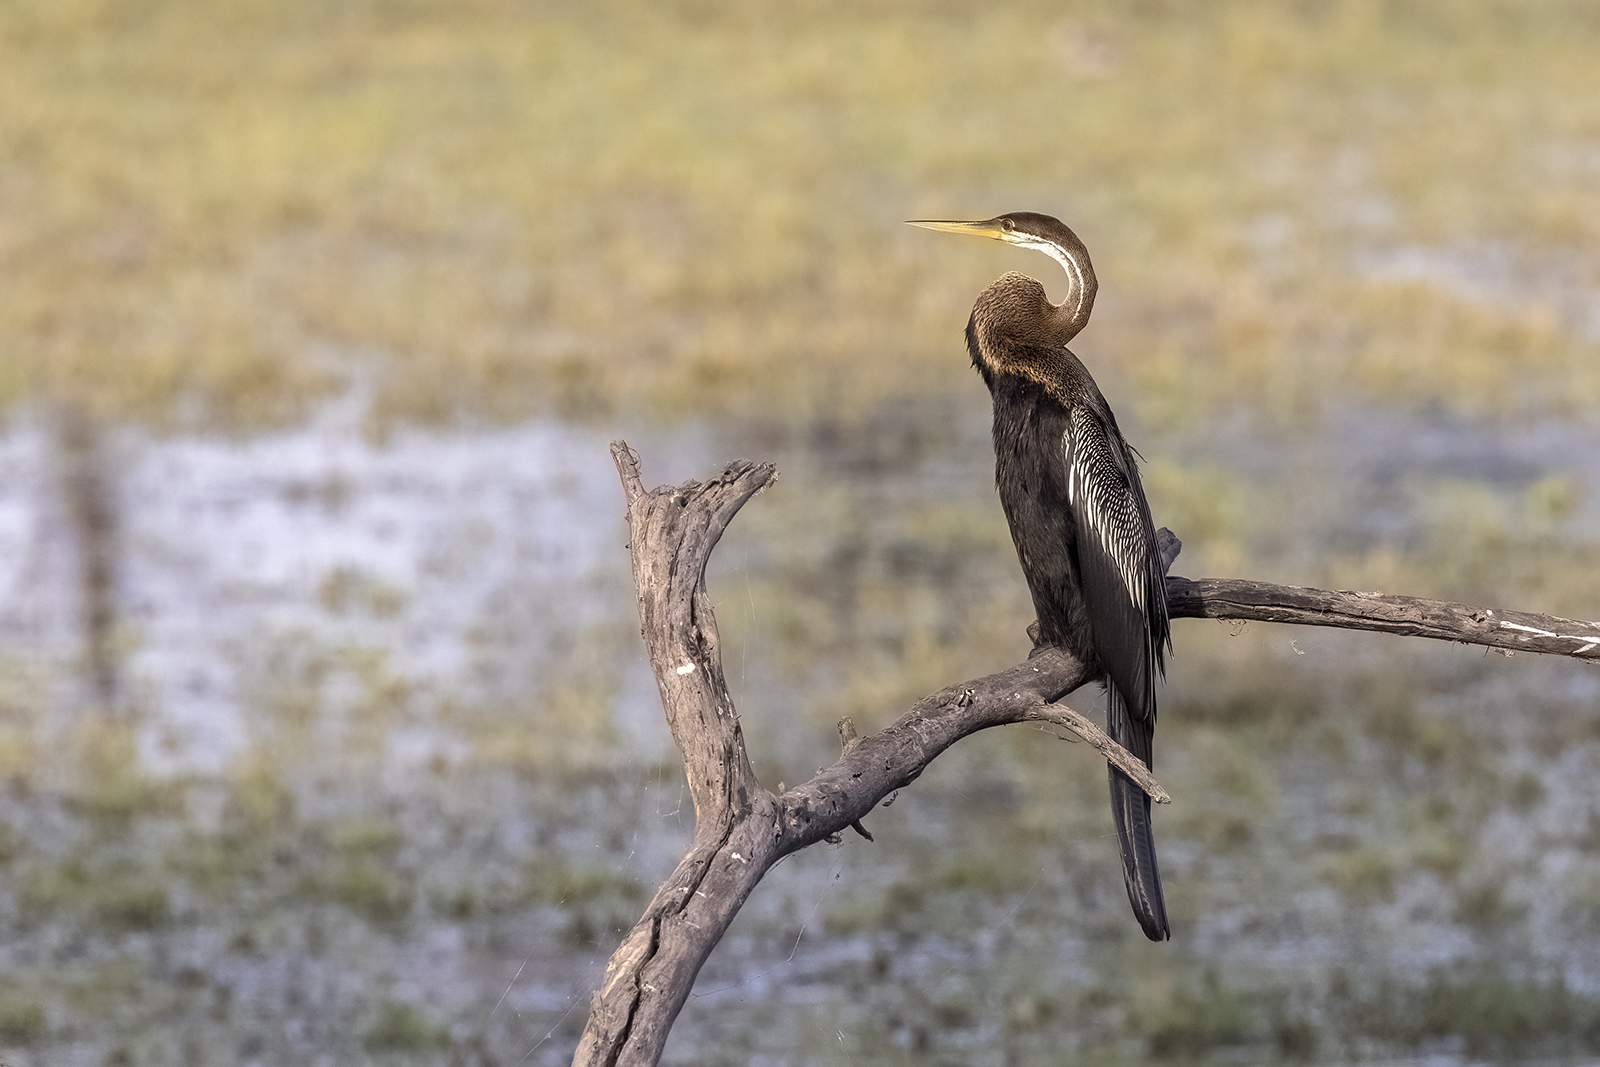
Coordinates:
[987,228]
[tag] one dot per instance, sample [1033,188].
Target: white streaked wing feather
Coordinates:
[1106,502]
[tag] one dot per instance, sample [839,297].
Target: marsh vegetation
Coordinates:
[354,296]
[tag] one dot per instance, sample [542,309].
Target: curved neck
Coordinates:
[1069,317]
[1016,307]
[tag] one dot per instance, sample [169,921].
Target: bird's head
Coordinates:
[1042,233]
[1028,229]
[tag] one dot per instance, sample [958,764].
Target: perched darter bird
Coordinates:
[1077,512]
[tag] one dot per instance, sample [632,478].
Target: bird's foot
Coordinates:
[1169,546]
[1038,644]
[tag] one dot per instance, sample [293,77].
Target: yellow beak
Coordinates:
[987,228]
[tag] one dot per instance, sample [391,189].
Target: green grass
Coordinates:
[22,1020]
[115,897]
[219,212]
[402,1028]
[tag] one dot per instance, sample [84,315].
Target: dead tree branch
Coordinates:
[1408,616]
[742,828]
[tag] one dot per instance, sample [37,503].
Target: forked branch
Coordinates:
[742,828]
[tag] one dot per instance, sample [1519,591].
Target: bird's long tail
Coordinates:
[1130,809]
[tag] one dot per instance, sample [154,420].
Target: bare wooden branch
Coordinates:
[1100,741]
[627,461]
[742,829]
[673,531]
[1233,598]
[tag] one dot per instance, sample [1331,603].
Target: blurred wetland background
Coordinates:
[326,736]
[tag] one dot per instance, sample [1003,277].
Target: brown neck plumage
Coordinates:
[1016,328]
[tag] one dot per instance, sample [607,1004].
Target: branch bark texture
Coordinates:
[742,828]
[1408,616]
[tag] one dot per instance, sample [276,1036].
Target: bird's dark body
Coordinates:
[1031,423]
[1027,473]
[1077,512]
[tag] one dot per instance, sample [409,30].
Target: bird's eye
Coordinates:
[1007,225]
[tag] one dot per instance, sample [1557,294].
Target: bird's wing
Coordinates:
[1125,591]
[1119,566]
